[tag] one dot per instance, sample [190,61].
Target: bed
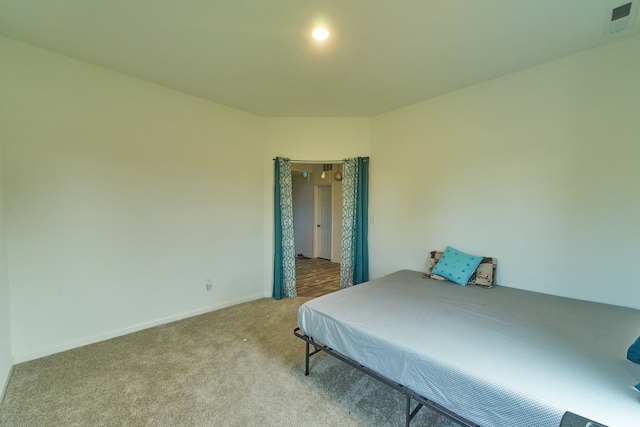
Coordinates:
[487,357]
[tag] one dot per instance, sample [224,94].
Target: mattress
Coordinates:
[496,357]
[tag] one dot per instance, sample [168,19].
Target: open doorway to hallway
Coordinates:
[317,223]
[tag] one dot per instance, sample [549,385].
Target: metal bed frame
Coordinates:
[569,419]
[409,394]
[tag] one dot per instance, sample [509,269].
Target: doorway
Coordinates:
[353,251]
[317,224]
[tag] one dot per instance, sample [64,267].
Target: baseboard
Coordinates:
[4,378]
[58,348]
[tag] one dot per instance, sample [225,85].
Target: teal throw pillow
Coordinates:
[456,266]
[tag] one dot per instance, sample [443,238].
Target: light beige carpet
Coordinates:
[239,366]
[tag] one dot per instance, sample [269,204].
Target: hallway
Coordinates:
[316,277]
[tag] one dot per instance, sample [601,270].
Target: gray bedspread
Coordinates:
[497,357]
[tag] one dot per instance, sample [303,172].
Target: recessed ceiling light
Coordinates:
[320,34]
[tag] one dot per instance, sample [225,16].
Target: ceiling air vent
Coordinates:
[619,17]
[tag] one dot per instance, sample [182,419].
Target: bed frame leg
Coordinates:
[306,367]
[408,412]
[410,415]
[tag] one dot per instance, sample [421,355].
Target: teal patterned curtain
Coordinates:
[284,262]
[354,260]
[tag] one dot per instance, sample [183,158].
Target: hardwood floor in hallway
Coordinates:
[316,277]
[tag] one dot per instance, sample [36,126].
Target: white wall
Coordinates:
[6,355]
[539,169]
[122,198]
[306,139]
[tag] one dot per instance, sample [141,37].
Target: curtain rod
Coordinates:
[319,162]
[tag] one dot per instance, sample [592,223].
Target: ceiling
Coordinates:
[258,55]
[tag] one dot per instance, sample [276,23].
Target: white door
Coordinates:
[323,225]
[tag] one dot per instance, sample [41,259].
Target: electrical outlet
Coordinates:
[209,284]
